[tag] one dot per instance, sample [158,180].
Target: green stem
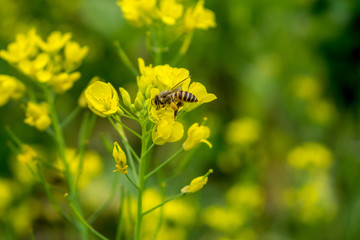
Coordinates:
[149,149]
[141,183]
[51,196]
[70,117]
[164,163]
[125,59]
[126,143]
[163,203]
[132,182]
[120,225]
[13,136]
[130,130]
[82,220]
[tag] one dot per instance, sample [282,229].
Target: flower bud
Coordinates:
[125,97]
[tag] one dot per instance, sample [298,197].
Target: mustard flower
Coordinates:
[64,81]
[138,12]
[37,115]
[170,11]
[167,130]
[10,88]
[102,99]
[74,54]
[55,41]
[23,48]
[197,183]
[120,159]
[27,154]
[199,17]
[196,134]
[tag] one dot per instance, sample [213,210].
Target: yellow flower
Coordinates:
[55,41]
[199,17]
[10,88]
[197,183]
[138,12]
[23,48]
[196,134]
[64,81]
[37,115]
[74,54]
[120,159]
[167,130]
[102,98]
[243,131]
[27,155]
[82,100]
[170,11]
[92,165]
[32,67]
[199,91]
[314,156]
[306,88]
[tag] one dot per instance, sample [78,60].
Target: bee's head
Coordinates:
[156,101]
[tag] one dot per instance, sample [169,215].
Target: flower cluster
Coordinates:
[153,81]
[37,115]
[52,62]
[169,12]
[10,88]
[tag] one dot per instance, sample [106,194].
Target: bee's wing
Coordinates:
[165,93]
[178,84]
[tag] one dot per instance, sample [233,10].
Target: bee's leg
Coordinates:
[178,105]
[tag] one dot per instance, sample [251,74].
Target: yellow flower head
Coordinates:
[167,130]
[10,88]
[138,12]
[102,98]
[170,11]
[197,183]
[27,155]
[23,48]
[199,17]
[64,81]
[120,159]
[37,115]
[74,54]
[196,135]
[310,155]
[55,41]
[243,131]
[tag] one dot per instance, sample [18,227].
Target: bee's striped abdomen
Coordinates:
[184,96]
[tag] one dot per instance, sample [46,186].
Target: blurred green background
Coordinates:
[284,129]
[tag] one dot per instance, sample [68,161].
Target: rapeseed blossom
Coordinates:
[196,135]
[154,80]
[197,183]
[169,12]
[37,115]
[10,88]
[102,98]
[27,154]
[120,159]
[51,62]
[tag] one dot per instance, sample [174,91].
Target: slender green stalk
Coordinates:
[70,117]
[161,214]
[13,136]
[82,220]
[51,196]
[100,209]
[120,226]
[124,140]
[132,182]
[149,149]
[130,130]
[125,59]
[141,183]
[163,203]
[164,163]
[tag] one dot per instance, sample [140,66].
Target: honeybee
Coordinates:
[174,97]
